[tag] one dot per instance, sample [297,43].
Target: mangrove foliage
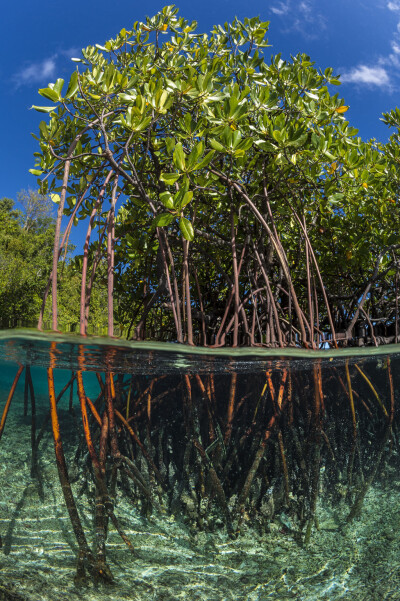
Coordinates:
[234,203]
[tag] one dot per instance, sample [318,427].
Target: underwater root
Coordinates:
[221,453]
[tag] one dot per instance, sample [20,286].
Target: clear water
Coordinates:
[242,474]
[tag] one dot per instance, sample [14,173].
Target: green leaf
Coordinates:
[58,87]
[169,178]
[43,130]
[170,143]
[143,124]
[163,99]
[329,155]
[334,198]
[296,142]
[73,85]
[195,154]
[204,162]
[163,219]
[167,200]
[245,144]
[55,198]
[50,94]
[127,97]
[179,157]
[36,171]
[265,145]
[187,197]
[44,109]
[216,145]
[315,140]
[277,135]
[186,229]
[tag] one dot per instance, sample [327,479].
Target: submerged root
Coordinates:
[218,455]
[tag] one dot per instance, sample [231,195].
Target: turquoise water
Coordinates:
[230,475]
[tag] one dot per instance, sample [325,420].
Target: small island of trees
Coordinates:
[233,202]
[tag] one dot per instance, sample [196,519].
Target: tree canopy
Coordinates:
[233,201]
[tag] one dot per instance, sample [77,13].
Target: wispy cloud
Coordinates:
[372,76]
[303,17]
[37,72]
[386,69]
[395,47]
[281,9]
[393,59]
[70,52]
[43,71]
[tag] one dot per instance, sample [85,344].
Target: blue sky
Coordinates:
[360,39]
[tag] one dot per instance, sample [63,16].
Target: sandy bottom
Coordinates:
[38,553]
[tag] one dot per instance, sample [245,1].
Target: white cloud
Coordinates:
[70,52]
[305,7]
[43,71]
[303,17]
[282,9]
[393,59]
[385,71]
[39,72]
[395,47]
[372,76]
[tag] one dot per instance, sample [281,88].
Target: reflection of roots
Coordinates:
[230,452]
